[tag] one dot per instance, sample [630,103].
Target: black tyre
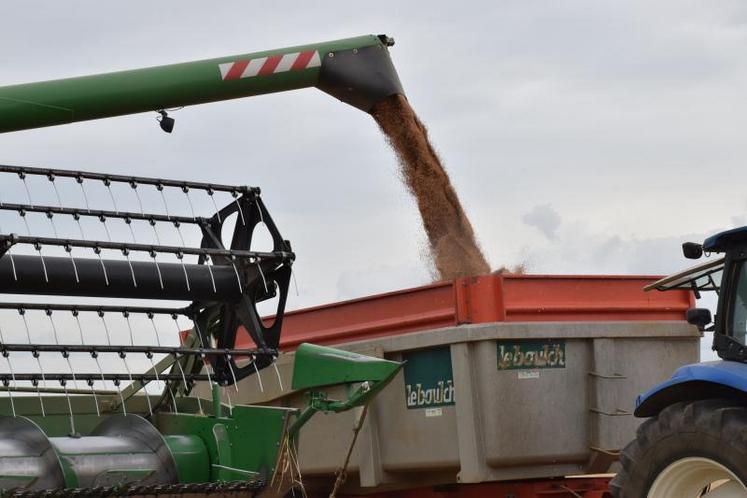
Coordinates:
[690,450]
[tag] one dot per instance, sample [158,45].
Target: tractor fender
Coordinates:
[708,380]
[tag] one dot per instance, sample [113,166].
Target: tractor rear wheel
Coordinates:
[690,450]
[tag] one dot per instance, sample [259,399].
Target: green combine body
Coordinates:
[239,448]
[70,431]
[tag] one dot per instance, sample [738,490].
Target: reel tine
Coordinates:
[149,355]
[102,315]
[236,271]
[199,334]
[209,265]
[211,193]
[126,253]
[22,214]
[69,250]
[184,381]
[108,184]
[178,227]
[159,187]
[277,372]
[134,186]
[44,265]
[76,217]
[76,314]
[6,355]
[126,314]
[238,205]
[173,402]
[13,266]
[22,176]
[233,374]
[79,179]
[158,268]
[50,217]
[73,432]
[123,355]
[152,223]
[95,398]
[121,398]
[155,329]
[180,257]
[259,377]
[35,383]
[48,312]
[128,222]
[261,274]
[102,219]
[97,251]
[295,284]
[34,352]
[185,189]
[95,356]
[51,178]
[66,355]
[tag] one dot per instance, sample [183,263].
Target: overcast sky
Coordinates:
[582,136]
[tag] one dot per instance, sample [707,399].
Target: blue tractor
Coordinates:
[694,441]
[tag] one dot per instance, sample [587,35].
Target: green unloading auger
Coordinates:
[70,429]
[357,71]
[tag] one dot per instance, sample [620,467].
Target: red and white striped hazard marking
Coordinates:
[273,64]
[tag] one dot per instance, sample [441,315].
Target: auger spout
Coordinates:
[357,71]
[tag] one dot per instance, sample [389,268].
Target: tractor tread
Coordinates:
[713,428]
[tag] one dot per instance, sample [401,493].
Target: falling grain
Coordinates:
[452,241]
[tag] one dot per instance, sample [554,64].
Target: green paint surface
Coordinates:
[317,366]
[429,380]
[48,103]
[531,354]
[246,442]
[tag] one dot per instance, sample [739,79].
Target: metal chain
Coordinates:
[135,490]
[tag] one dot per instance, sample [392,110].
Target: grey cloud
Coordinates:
[544,218]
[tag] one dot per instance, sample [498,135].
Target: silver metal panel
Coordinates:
[123,449]
[27,458]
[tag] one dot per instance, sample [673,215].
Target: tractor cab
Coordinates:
[725,275]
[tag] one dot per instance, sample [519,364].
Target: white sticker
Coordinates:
[434,412]
[529,374]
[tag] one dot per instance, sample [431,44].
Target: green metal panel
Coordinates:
[55,102]
[429,381]
[317,366]
[245,443]
[191,457]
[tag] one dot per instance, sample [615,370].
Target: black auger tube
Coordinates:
[120,280]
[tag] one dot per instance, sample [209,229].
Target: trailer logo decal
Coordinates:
[263,66]
[429,381]
[531,354]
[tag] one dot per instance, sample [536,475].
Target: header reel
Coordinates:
[223,281]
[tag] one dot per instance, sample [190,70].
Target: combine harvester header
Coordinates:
[357,71]
[110,411]
[115,413]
